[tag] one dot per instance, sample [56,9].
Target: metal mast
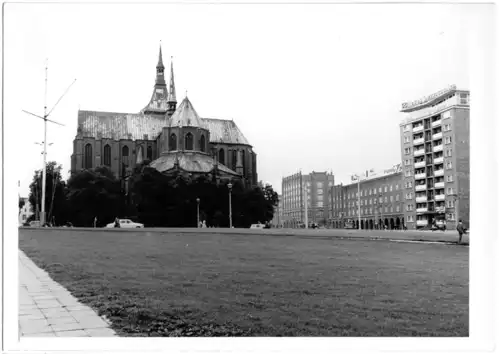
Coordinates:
[45,120]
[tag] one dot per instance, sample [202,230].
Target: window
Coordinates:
[107,155]
[188,141]
[380,199]
[391,198]
[407,139]
[451,216]
[407,173]
[88,156]
[390,188]
[397,208]
[385,189]
[380,189]
[397,197]
[386,209]
[409,218]
[407,127]
[202,143]
[449,178]
[449,165]
[385,199]
[407,151]
[447,127]
[450,203]
[172,144]
[369,192]
[319,191]
[24,217]
[449,191]
[125,155]
[149,153]
[447,140]
[221,156]
[448,153]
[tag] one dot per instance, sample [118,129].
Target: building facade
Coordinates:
[381,202]
[277,220]
[312,188]
[435,154]
[25,211]
[172,138]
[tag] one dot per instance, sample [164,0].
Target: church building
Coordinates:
[172,138]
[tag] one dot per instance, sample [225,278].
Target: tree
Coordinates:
[55,201]
[94,193]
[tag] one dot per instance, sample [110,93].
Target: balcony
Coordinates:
[439,185]
[439,197]
[437,148]
[422,222]
[420,187]
[439,159]
[437,136]
[418,141]
[420,152]
[438,173]
[418,128]
[421,210]
[420,175]
[436,123]
[419,164]
[421,199]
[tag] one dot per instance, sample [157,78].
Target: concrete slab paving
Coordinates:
[47,309]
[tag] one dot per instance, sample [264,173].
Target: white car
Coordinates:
[126,224]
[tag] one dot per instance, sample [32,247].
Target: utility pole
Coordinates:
[45,120]
[305,206]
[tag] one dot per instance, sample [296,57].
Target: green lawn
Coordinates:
[161,284]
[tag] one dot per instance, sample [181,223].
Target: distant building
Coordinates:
[25,211]
[381,202]
[173,139]
[294,190]
[435,154]
[277,220]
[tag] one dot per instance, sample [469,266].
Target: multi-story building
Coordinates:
[25,212]
[299,188]
[435,156]
[277,220]
[380,202]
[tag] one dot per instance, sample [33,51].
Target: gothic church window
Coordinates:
[107,155]
[221,156]
[125,155]
[202,143]
[88,156]
[189,141]
[172,146]
[150,153]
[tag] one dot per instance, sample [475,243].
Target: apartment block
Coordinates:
[312,188]
[435,155]
[380,202]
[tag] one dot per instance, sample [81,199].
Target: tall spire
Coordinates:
[160,69]
[160,59]
[172,100]
[158,102]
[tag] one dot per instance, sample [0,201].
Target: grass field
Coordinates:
[160,284]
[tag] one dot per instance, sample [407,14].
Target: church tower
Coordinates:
[172,101]
[158,103]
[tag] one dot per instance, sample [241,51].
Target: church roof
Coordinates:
[224,131]
[116,126]
[185,116]
[190,162]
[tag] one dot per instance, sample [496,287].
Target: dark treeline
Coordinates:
[151,198]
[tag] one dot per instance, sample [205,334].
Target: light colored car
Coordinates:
[35,223]
[126,224]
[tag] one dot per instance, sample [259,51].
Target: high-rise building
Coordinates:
[435,156]
[298,188]
[380,202]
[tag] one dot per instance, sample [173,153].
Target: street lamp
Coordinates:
[197,212]
[230,186]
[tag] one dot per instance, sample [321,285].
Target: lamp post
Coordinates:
[230,186]
[197,212]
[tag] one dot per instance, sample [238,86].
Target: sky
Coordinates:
[312,87]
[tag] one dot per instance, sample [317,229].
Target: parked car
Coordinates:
[439,225]
[258,226]
[126,224]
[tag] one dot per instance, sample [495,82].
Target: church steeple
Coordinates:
[172,100]
[160,71]
[158,103]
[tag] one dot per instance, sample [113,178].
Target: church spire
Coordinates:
[158,102]
[160,69]
[172,100]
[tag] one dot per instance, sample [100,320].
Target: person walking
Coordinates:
[461,230]
[95,222]
[117,222]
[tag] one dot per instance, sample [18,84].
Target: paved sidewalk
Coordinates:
[46,309]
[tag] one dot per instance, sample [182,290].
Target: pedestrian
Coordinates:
[95,222]
[117,222]
[204,224]
[461,230]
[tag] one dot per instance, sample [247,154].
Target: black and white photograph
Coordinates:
[223,171]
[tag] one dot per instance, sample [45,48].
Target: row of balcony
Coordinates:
[422,175]
[423,187]
[420,152]
[424,199]
[420,141]
[436,160]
